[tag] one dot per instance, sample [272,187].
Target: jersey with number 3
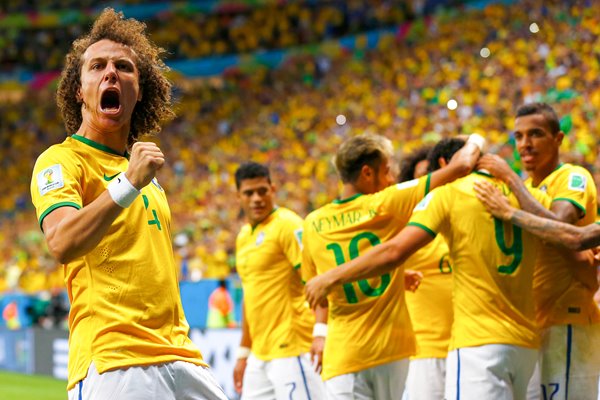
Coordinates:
[563,294]
[368,320]
[492,265]
[125,303]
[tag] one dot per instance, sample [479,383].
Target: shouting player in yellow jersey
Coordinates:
[430,307]
[106,218]
[565,308]
[273,362]
[369,336]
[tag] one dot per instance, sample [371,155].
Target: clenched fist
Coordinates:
[145,159]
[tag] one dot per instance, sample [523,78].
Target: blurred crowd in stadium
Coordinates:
[294,117]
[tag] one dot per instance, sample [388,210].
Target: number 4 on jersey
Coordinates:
[155,220]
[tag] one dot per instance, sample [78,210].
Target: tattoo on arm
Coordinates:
[550,231]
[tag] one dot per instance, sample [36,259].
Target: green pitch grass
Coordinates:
[14,386]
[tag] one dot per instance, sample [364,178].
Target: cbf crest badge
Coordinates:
[260,238]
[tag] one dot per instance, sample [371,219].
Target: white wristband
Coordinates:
[320,330]
[122,191]
[477,140]
[243,352]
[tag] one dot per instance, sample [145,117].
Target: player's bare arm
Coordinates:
[72,233]
[243,353]
[412,280]
[555,232]
[500,169]
[318,344]
[375,262]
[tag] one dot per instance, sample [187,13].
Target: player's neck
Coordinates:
[540,173]
[349,190]
[116,140]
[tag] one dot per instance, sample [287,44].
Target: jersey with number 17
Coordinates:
[368,321]
[125,303]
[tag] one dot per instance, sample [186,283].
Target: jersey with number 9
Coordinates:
[493,265]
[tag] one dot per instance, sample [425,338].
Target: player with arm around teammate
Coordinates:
[106,219]
[493,347]
[565,308]
[369,334]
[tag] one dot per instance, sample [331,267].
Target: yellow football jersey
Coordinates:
[368,321]
[561,295]
[267,258]
[492,265]
[430,307]
[125,303]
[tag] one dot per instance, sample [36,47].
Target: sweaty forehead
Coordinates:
[109,49]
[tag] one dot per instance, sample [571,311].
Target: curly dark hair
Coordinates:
[409,163]
[445,149]
[155,105]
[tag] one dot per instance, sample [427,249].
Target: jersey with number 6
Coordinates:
[563,294]
[125,303]
[430,306]
[368,320]
[492,265]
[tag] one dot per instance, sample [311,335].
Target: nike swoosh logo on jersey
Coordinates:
[110,178]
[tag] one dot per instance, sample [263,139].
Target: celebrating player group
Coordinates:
[445,276]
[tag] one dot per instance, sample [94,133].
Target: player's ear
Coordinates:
[78,96]
[559,137]
[442,161]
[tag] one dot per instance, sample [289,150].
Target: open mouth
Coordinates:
[110,102]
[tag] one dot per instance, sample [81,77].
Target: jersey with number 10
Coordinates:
[125,304]
[492,265]
[563,294]
[368,320]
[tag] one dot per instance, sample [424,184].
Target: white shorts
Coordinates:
[383,382]
[426,379]
[282,379]
[534,391]
[570,362]
[170,381]
[493,371]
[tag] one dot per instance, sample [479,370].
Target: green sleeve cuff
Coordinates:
[576,204]
[426,229]
[54,207]
[428,184]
